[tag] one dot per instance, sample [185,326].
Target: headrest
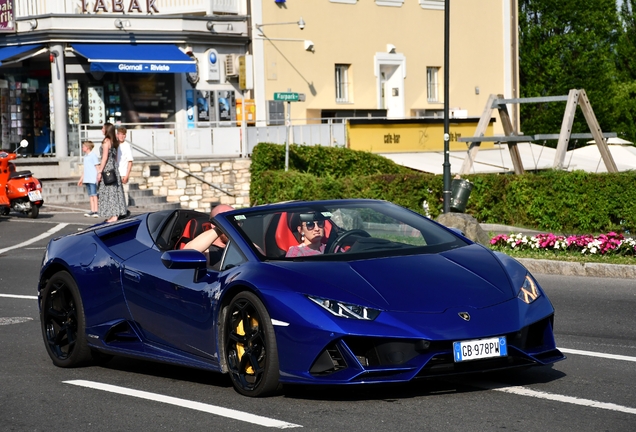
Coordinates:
[309,217]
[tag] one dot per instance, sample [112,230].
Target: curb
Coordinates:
[564,268]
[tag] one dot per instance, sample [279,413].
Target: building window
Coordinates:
[432,84]
[342,83]
[432,4]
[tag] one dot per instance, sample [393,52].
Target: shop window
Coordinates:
[24,112]
[131,98]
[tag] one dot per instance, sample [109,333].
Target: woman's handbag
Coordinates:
[109,177]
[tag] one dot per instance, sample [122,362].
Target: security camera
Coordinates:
[301,23]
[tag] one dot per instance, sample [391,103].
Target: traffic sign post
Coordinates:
[288,97]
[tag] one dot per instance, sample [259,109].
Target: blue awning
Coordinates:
[139,58]
[13,51]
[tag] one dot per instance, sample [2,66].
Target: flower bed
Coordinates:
[604,244]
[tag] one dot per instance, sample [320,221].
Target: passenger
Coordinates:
[211,243]
[311,235]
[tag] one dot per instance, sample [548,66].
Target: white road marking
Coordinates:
[523,391]
[37,238]
[14,320]
[19,296]
[596,354]
[212,409]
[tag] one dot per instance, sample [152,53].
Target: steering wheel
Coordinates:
[337,244]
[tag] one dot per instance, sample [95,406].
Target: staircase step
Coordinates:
[67,192]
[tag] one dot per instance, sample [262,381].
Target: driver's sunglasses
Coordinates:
[311,225]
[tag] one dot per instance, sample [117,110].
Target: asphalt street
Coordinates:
[592,390]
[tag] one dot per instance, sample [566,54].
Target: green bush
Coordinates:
[321,161]
[556,201]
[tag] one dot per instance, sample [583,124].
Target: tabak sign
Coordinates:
[7,19]
[124,6]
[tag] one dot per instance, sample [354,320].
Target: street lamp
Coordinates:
[300,22]
[446,165]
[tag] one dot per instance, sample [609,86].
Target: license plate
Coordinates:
[35,195]
[480,349]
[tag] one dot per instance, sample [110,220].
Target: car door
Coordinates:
[171,308]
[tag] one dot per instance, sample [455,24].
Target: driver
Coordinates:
[312,231]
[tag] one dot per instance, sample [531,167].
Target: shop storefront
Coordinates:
[66,72]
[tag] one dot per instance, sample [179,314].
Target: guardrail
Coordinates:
[170,141]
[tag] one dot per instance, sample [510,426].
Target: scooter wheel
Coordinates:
[35,211]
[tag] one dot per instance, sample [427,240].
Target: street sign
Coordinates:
[289,97]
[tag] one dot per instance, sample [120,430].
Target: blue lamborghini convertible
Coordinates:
[324,292]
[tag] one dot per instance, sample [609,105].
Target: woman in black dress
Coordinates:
[111,197]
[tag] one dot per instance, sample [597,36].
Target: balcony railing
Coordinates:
[25,8]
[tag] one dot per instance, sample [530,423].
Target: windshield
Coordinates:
[341,230]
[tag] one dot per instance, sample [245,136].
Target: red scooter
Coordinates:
[19,191]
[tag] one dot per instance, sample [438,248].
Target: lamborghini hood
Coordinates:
[466,277]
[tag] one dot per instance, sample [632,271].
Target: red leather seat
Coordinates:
[287,234]
[192,229]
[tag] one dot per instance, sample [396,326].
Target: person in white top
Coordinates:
[124,160]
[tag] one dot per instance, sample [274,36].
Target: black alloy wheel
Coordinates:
[250,347]
[63,322]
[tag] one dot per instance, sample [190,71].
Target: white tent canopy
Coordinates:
[533,157]
[589,158]
[615,140]
[495,160]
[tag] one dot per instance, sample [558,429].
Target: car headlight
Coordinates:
[346,310]
[529,291]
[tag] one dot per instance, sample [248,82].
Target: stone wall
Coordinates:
[232,176]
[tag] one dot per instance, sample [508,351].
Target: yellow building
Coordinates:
[383,58]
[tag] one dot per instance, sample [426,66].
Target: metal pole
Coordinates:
[243,126]
[446,166]
[60,115]
[288,136]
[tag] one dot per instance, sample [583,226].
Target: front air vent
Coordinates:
[329,361]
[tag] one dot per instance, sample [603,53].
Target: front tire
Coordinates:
[63,322]
[251,354]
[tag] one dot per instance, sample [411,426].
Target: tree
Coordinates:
[626,67]
[566,44]
[626,46]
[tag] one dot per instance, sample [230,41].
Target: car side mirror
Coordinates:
[186,259]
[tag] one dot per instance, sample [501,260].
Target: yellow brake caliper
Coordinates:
[240,348]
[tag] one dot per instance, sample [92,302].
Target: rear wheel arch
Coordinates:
[50,271]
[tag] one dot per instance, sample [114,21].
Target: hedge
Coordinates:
[556,201]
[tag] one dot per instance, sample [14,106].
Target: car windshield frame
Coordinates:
[391,230]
